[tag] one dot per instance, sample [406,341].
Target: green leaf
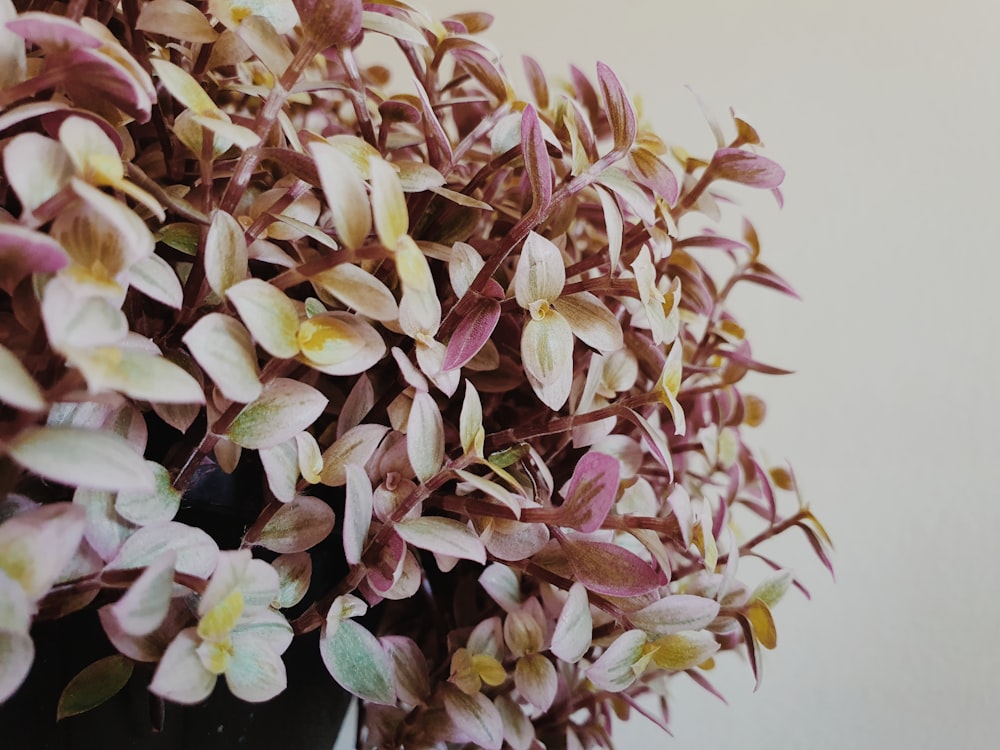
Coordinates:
[94,685]
[285,408]
[358,662]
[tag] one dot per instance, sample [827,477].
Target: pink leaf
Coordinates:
[475,329]
[747,168]
[591,492]
[23,252]
[536,160]
[606,568]
[619,109]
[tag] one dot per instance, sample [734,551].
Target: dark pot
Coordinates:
[307,715]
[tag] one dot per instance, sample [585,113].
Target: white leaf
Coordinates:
[255,673]
[144,606]
[444,536]
[358,506]
[143,507]
[592,322]
[613,671]
[226,353]
[81,458]
[574,628]
[197,552]
[155,278]
[675,613]
[37,544]
[281,468]
[269,314]
[425,436]
[180,676]
[17,387]
[226,255]
[540,273]
[345,194]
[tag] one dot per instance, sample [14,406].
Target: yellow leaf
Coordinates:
[218,622]
[763,623]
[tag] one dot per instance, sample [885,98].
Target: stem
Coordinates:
[262,126]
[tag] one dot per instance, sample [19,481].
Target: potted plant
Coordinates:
[435,383]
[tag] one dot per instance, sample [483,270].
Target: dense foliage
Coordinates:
[470,343]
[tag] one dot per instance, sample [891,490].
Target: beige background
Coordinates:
[885,114]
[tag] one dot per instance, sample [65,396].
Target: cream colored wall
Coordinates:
[886,115]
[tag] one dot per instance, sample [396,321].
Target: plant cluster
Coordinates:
[470,343]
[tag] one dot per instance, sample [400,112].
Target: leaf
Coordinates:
[358,504]
[547,356]
[762,621]
[356,446]
[256,672]
[613,671]
[176,19]
[475,717]
[197,552]
[284,408]
[17,652]
[675,613]
[518,731]
[180,676]
[94,685]
[183,87]
[358,289]
[425,436]
[591,321]
[614,224]
[155,278]
[540,272]
[591,492]
[654,174]
[746,168]
[17,387]
[142,375]
[409,669]
[618,107]
[269,314]
[296,526]
[574,629]
[772,589]
[606,568]
[472,332]
[36,545]
[471,433]
[224,350]
[484,71]
[294,575]
[81,458]
[145,604]
[537,164]
[143,507]
[503,586]
[281,468]
[443,536]
[226,255]
[536,680]
[388,203]
[24,251]
[345,194]
[684,650]
[358,662]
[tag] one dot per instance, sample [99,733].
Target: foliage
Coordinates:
[476,342]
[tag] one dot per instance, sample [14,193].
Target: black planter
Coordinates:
[307,715]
